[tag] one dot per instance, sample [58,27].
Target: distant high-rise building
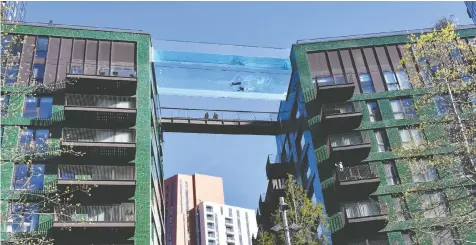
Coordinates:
[223,224]
[471,8]
[13,11]
[182,194]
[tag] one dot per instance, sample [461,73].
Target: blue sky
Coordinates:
[240,160]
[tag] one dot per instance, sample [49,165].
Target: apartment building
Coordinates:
[223,224]
[79,107]
[471,9]
[183,193]
[348,105]
[13,11]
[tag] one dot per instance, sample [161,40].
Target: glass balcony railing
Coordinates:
[107,70]
[95,172]
[98,135]
[113,213]
[336,79]
[360,172]
[349,139]
[367,208]
[341,108]
[100,101]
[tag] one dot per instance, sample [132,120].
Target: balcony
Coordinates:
[100,109]
[339,87]
[103,79]
[113,216]
[228,222]
[341,116]
[101,142]
[367,213]
[96,175]
[356,175]
[276,170]
[353,146]
[99,137]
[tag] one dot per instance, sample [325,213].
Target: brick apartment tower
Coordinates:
[182,194]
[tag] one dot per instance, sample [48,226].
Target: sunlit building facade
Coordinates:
[349,103]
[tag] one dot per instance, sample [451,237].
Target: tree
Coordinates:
[441,156]
[21,199]
[303,212]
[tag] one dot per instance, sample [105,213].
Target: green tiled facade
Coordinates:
[145,125]
[303,82]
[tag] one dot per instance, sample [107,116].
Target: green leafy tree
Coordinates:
[303,212]
[441,156]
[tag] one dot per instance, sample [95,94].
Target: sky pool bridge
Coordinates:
[187,120]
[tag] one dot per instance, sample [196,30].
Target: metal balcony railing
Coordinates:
[95,172]
[98,135]
[222,115]
[79,68]
[360,172]
[348,139]
[114,213]
[100,101]
[341,108]
[367,208]
[336,79]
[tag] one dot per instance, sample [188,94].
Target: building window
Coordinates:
[34,139]
[23,217]
[443,104]
[11,73]
[28,176]
[230,212]
[374,111]
[422,171]
[391,173]
[411,137]
[401,208]
[403,108]
[38,107]
[444,237]
[41,47]
[403,79]
[4,102]
[11,46]
[382,140]
[391,81]
[433,204]
[366,83]
[38,73]
[407,238]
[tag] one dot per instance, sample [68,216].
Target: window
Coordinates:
[391,81]
[407,238]
[433,204]
[41,47]
[230,213]
[4,102]
[401,208]
[374,111]
[28,176]
[210,217]
[209,209]
[38,107]
[403,108]
[38,73]
[325,81]
[382,140]
[366,83]
[443,104]
[36,140]
[11,46]
[444,237]
[422,171]
[391,173]
[11,73]
[23,217]
[411,136]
